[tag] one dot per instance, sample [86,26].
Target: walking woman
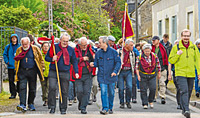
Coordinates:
[147,68]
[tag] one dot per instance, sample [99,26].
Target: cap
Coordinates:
[155,38]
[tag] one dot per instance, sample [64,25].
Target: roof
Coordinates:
[61,29]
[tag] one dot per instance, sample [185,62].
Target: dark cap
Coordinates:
[155,38]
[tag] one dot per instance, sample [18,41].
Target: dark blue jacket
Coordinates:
[61,65]
[107,62]
[9,53]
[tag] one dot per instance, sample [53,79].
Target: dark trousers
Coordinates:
[185,85]
[146,83]
[83,89]
[29,76]
[134,90]
[13,88]
[64,84]
[177,89]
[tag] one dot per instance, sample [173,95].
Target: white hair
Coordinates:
[24,38]
[82,39]
[128,41]
[65,34]
[146,46]
[105,39]
[197,42]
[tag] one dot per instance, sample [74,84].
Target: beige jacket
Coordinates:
[38,59]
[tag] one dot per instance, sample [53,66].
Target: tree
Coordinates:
[33,5]
[43,29]
[20,17]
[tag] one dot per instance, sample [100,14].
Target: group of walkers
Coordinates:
[85,67]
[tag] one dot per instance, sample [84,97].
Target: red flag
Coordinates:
[51,51]
[128,26]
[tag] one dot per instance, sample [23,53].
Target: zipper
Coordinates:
[186,53]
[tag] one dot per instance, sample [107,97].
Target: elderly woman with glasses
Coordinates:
[147,68]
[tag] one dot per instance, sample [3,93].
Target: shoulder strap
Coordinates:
[178,47]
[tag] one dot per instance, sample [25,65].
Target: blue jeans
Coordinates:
[197,88]
[107,95]
[125,75]
[71,90]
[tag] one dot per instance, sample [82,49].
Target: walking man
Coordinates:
[65,56]
[108,62]
[28,61]
[83,84]
[185,57]
[45,83]
[159,49]
[8,56]
[126,73]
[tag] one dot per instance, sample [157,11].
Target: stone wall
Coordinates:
[3,72]
[144,19]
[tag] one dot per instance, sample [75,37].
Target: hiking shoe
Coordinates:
[110,111]
[122,105]
[187,114]
[128,105]
[31,107]
[21,108]
[163,101]
[104,112]
[70,103]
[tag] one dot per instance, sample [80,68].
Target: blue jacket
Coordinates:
[107,62]
[61,65]
[9,53]
[136,51]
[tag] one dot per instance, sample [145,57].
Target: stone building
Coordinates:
[144,19]
[172,16]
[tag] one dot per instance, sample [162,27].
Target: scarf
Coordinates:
[148,67]
[22,54]
[163,53]
[65,54]
[126,57]
[45,52]
[186,45]
[81,62]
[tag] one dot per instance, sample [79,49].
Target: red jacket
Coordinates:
[78,53]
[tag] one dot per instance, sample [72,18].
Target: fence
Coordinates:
[5,33]
[1,74]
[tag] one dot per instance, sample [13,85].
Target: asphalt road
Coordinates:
[159,111]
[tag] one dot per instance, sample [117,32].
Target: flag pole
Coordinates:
[57,73]
[123,34]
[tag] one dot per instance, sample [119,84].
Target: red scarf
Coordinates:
[22,54]
[187,45]
[163,53]
[126,57]
[65,53]
[148,68]
[81,62]
[45,52]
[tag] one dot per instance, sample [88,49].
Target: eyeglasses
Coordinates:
[185,35]
[83,45]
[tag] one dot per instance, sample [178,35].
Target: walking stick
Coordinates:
[57,73]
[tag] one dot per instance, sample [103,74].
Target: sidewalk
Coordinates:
[194,101]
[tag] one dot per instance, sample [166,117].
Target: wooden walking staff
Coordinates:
[54,52]
[123,34]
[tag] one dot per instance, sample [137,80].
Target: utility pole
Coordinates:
[50,17]
[72,8]
[136,18]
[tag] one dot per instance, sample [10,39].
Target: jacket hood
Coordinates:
[16,36]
